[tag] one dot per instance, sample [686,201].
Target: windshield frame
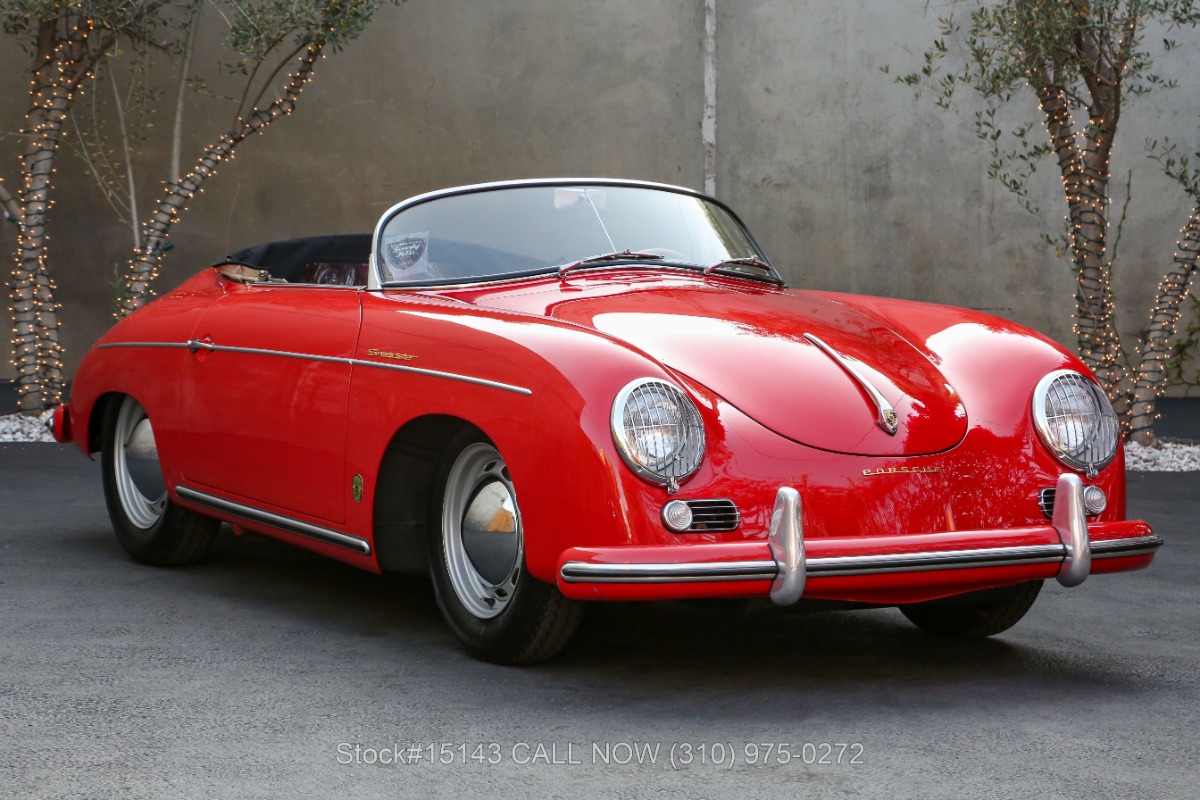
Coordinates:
[375,281]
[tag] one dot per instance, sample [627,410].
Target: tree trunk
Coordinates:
[147,258]
[12,209]
[1164,317]
[37,354]
[1085,183]
[1099,342]
[63,60]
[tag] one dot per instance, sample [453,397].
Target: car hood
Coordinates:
[750,347]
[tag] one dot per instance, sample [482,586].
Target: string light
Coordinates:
[1085,178]
[37,352]
[1173,290]
[144,267]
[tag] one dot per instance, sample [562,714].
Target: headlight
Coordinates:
[657,430]
[1075,420]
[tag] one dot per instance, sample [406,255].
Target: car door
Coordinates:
[266,390]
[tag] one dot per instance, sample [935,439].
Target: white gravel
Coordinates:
[20,428]
[1166,457]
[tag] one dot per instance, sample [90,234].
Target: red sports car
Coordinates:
[548,392]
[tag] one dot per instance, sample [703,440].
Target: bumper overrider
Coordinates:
[903,568]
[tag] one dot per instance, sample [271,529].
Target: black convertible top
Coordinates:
[307,259]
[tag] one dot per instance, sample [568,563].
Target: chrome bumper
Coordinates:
[789,568]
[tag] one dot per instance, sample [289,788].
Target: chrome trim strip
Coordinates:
[1119,548]
[276,520]
[886,415]
[847,566]
[141,344]
[587,572]
[840,566]
[1070,520]
[196,344]
[786,541]
[433,373]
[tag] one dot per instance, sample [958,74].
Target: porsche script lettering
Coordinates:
[901,471]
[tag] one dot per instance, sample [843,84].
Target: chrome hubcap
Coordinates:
[139,477]
[481,531]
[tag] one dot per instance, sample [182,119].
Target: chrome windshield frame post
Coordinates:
[786,541]
[1070,520]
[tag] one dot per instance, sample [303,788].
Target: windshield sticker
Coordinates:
[407,257]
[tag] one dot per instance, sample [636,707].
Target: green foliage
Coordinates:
[256,29]
[1179,167]
[1083,61]
[133,42]
[1093,51]
[1181,368]
[137,23]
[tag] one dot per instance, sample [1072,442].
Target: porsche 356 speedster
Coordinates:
[549,392]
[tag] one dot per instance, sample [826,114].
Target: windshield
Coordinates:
[514,230]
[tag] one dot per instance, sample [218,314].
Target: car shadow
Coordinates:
[745,659]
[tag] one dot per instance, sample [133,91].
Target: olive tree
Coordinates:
[65,40]
[273,47]
[1080,62]
[275,36]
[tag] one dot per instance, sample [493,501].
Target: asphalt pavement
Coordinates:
[266,672]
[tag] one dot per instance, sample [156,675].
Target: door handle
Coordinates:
[205,344]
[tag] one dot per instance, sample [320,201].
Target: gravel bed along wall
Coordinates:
[1167,457]
[20,428]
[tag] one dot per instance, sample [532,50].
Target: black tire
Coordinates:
[493,605]
[151,528]
[961,618]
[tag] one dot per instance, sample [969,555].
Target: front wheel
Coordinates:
[151,528]
[494,606]
[996,611]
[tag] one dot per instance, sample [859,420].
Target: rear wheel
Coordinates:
[997,611]
[494,606]
[151,528]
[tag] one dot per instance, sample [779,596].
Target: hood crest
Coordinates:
[886,418]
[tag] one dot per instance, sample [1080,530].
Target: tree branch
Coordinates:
[143,269]
[1128,36]
[9,203]
[106,189]
[274,74]
[177,131]
[1164,318]
[133,207]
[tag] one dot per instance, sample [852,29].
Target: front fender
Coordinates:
[540,389]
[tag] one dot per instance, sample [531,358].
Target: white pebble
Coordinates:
[1165,457]
[21,428]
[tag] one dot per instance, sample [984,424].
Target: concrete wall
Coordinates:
[849,184]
